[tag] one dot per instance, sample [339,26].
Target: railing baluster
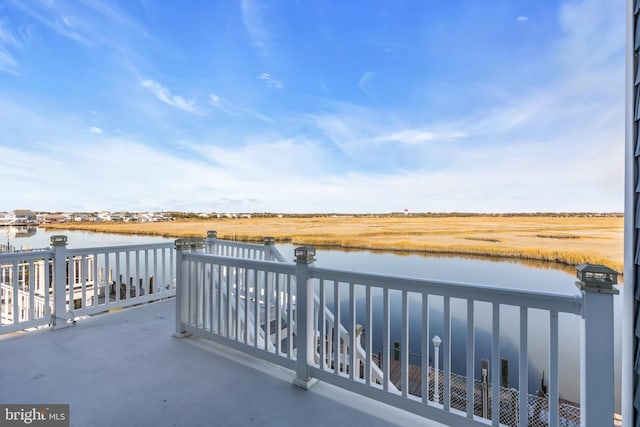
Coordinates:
[16,293]
[96,281]
[107,281]
[219,314]
[553,369]
[47,288]
[212,294]
[70,282]
[256,309]
[368,333]
[191,292]
[137,282]
[289,318]
[495,366]
[354,371]
[238,281]
[162,285]
[446,355]
[267,310]
[145,282]
[247,306]
[172,275]
[83,279]
[323,327]
[470,358]
[31,291]
[523,366]
[386,321]
[404,345]
[117,276]
[425,348]
[278,302]
[202,303]
[127,268]
[336,327]
[229,279]
[156,285]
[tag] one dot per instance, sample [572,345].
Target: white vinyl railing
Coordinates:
[335,326]
[91,280]
[311,319]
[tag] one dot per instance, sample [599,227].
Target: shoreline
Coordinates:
[563,240]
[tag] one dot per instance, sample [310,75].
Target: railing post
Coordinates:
[210,242]
[60,315]
[304,317]
[183,274]
[268,250]
[597,353]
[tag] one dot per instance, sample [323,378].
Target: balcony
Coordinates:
[253,325]
[125,369]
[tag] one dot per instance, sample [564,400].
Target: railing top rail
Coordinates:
[234,244]
[272,266]
[121,248]
[477,292]
[25,256]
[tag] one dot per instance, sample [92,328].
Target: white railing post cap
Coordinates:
[596,278]
[305,254]
[59,240]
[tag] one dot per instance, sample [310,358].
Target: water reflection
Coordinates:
[543,265]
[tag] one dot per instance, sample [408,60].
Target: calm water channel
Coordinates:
[545,277]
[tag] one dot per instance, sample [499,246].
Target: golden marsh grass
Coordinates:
[569,240]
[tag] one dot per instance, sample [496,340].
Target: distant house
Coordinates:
[25,217]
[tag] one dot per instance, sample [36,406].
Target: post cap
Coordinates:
[269,241]
[192,243]
[305,254]
[436,341]
[596,278]
[212,234]
[59,240]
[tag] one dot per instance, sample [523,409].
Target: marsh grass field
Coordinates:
[569,240]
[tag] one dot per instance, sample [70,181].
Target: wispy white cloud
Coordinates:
[219,103]
[8,63]
[365,83]
[89,23]
[418,136]
[255,23]
[591,39]
[270,81]
[164,95]
[522,18]
[389,46]
[233,109]
[53,15]
[94,129]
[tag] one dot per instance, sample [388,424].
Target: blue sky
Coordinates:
[312,106]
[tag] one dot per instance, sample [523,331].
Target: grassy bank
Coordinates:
[567,240]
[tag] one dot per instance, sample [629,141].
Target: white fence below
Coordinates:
[92,280]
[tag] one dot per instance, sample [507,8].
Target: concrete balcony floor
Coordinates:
[126,369]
